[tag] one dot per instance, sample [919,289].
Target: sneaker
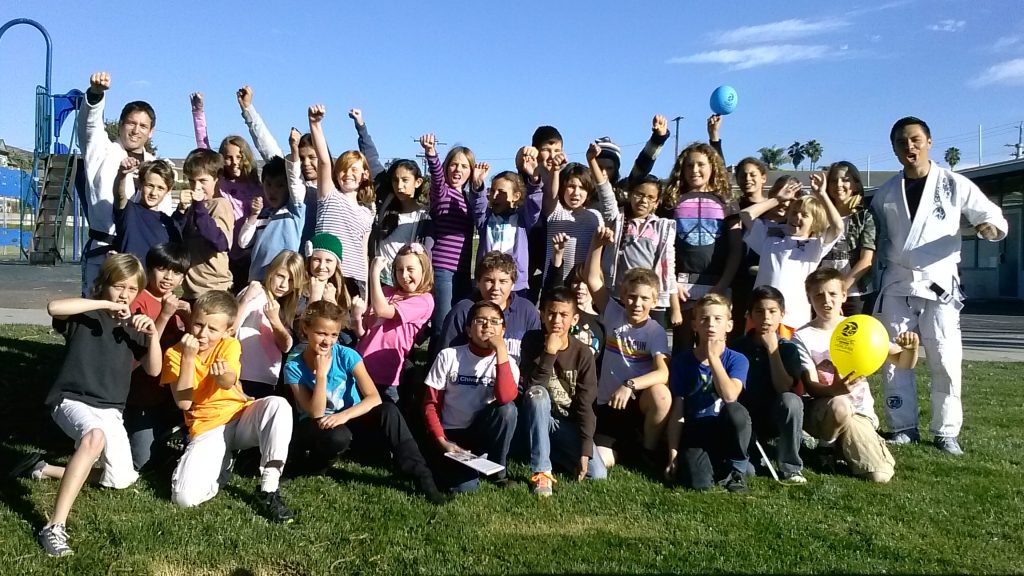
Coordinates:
[949,445]
[904,437]
[736,483]
[796,478]
[276,509]
[54,540]
[543,483]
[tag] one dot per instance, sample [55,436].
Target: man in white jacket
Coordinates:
[918,213]
[102,161]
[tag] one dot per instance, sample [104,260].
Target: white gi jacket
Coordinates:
[915,254]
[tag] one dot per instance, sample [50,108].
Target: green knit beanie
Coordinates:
[327,243]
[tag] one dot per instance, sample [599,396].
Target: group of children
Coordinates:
[305,289]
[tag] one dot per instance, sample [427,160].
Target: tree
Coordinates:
[952,157]
[773,156]
[813,151]
[796,154]
[113,130]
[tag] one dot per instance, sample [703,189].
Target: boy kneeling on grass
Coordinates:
[842,409]
[707,419]
[88,396]
[202,371]
[561,384]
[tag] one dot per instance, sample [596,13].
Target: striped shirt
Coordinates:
[350,222]
[580,227]
[453,224]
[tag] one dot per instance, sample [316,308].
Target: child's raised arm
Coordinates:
[645,160]
[438,185]
[753,212]
[835,219]
[550,178]
[378,301]
[292,169]
[181,389]
[324,180]
[64,308]
[366,145]
[605,192]
[199,120]
[129,166]
[265,142]
[592,272]
[154,358]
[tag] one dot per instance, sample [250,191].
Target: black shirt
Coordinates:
[914,189]
[759,390]
[98,366]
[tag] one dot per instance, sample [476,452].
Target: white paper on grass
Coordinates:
[479,463]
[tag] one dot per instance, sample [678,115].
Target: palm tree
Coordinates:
[796,154]
[813,151]
[773,156]
[952,157]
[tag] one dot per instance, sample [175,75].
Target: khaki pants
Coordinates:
[863,449]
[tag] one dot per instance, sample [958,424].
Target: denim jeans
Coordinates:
[449,287]
[557,439]
[490,433]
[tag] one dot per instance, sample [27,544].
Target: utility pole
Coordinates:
[979,146]
[1018,148]
[676,120]
[426,167]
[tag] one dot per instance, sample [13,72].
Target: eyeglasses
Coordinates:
[485,321]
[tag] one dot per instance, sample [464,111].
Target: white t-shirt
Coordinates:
[813,344]
[468,382]
[629,351]
[785,263]
[261,358]
[404,233]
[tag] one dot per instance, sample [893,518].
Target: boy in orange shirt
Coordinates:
[202,372]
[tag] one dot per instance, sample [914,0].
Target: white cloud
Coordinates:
[1010,73]
[948,26]
[779,31]
[1006,42]
[875,38]
[756,56]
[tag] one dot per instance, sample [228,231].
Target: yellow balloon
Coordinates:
[860,344]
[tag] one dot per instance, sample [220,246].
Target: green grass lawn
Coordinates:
[939,515]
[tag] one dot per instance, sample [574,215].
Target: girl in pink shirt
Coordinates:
[395,316]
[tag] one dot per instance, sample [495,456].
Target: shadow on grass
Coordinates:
[27,369]
[13,492]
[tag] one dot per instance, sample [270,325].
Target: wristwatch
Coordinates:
[630,384]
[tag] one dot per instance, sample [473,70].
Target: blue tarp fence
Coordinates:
[16,184]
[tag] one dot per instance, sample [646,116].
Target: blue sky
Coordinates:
[486,74]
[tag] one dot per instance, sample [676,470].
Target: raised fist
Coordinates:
[316,113]
[429,144]
[244,95]
[659,125]
[99,82]
[129,165]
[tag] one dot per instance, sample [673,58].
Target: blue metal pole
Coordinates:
[49,49]
[47,136]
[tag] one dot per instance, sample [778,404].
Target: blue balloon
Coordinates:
[724,100]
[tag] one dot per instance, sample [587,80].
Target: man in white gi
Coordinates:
[918,213]
[102,162]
